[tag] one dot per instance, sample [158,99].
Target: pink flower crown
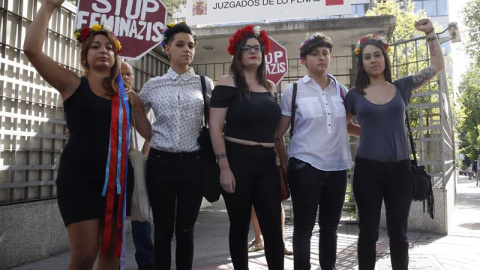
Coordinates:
[369,37]
[81,34]
[241,33]
[313,36]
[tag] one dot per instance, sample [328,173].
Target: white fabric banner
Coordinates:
[229,11]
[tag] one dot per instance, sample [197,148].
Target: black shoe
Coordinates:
[148,267]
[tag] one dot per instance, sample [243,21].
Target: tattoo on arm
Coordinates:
[431,47]
[423,76]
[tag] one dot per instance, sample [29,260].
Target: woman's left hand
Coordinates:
[424,25]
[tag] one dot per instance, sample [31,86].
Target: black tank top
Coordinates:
[88,120]
[253,118]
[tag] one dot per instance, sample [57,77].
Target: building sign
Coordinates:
[138,24]
[276,62]
[222,12]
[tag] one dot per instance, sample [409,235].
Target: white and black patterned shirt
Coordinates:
[177,102]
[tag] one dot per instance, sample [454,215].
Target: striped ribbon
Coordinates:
[116,170]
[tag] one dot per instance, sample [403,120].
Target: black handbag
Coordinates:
[422,182]
[210,170]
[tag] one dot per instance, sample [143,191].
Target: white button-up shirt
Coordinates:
[177,102]
[320,137]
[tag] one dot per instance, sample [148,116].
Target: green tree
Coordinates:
[469,122]
[472,21]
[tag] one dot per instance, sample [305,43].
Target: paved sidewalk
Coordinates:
[459,250]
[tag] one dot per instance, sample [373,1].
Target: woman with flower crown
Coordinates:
[92,174]
[382,171]
[319,152]
[243,105]
[174,163]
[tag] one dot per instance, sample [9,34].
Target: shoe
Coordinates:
[254,246]
[287,251]
[148,267]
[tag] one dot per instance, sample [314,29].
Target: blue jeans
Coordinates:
[142,239]
[374,182]
[312,189]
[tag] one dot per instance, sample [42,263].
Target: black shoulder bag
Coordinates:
[422,182]
[210,170]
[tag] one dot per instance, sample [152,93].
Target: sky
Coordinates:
[459,57]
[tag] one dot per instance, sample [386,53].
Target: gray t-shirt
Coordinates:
[383,137]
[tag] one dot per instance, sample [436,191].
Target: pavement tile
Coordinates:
[458,250]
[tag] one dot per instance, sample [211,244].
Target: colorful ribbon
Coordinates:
[116,170]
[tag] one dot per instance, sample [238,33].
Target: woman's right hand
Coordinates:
[227,180]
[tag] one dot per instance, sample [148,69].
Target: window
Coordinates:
[358,10]
[432,7]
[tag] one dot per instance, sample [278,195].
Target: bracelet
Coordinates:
[429,31]
[431,38]
[220,156]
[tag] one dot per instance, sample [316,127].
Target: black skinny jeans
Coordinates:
[175,193]
[258,183]
[374,182]
[310,189]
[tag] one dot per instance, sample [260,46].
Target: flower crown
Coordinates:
[369,37]
[81,34]
[170,26]
[241,33]
[312,37]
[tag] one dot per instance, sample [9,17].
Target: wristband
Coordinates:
[431,38]
[429,31]
[220,156]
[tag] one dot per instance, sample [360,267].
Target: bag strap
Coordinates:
[430,201]
[205,105]
[133,128]
[410,136]
[292,118]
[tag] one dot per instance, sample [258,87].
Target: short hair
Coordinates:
[314,41]
[170,31]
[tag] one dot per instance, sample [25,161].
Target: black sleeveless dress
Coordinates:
[81,172]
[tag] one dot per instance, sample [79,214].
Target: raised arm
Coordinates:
[437,63]
[58,77]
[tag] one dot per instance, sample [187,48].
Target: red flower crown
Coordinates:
[241,33]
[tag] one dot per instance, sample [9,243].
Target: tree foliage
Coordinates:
[472,21]
[469,123]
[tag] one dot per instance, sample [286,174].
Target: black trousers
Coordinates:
[258,183]
[175,193]
[310,189]
[374,182]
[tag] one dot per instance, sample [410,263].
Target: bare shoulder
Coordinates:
[226,80]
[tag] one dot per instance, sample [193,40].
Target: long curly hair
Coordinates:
[110,82]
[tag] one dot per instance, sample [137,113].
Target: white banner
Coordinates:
[229,11]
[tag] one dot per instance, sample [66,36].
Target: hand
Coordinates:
[424,25]
[67,134]
[54,3]
[227,181]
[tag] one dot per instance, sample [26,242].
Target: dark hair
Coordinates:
[170,32]
[362,80]
[110,82]
[236,69]
[313,44]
